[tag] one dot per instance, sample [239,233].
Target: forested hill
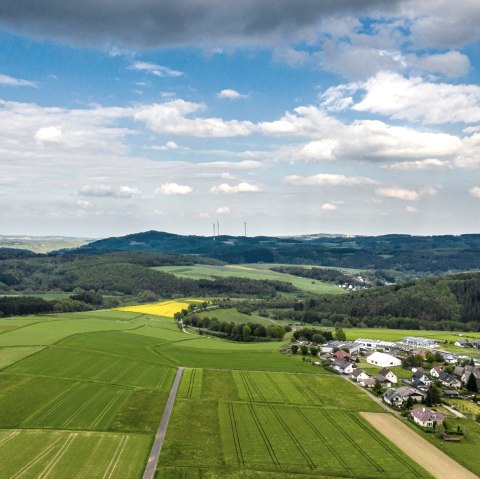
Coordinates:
[400,253]
[449,302]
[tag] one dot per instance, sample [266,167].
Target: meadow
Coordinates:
[250,272]
[82,394]
[276,425]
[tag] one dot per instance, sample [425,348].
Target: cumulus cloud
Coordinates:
[156,70]
[326,179]
[404,193]
[168,146]
[223,210]
[101,190]
[230,94]
[49,134]
[416,99]
[154,24]
[7,80]
[411,209]
[329,207]
[84,204]
[242,187]
[428,164]
[475,191]
[174,189]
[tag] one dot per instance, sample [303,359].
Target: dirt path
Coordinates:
[455,412]
[420,450]
[162,429]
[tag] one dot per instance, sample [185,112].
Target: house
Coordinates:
[341,354]
[426,417]
[383,360]
[451,394]
[449,381]
[436,371]
[458,371]
[388,375]
[359,375]
[368,382]
[397,397]
[420,379]
[450,358]
[342,366]
[462,343]
[468,370]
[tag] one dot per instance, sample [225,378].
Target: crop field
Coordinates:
[36,454]
[236,316]
[250,272]
[273,424]
[165,308]
[13,354]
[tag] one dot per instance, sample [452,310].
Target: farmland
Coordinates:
[249,272]
[94,384]
[165,308]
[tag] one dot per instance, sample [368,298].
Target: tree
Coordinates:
[438,357]
[313,351]
[318,339]
[433,396]
[340,334]
[472,383]
[294,348]
[409,403]
[429,357]
[377,387]
[246,332]
[304,350]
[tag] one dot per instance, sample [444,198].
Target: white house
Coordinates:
[359,375]
[383,360]
[343,367]
[426,417]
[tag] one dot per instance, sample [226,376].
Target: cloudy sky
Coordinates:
[299,116]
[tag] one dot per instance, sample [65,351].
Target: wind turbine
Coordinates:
[213,231]
[245,227]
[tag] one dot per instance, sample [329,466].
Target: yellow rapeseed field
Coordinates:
[165,308]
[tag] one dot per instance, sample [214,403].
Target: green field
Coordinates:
[276,425]
[235,316]
[82,394]
[250,272]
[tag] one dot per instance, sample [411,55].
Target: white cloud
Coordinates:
[172,118]
[223,210]
[411,209]
[428,164]
[329,207]
[49,134]
[451,64]
[290,56]
[415,99]
[230,94]
[156,70]
[84,204]
[475,191]
[325,179]
[102,190]
[242,187]
[404,193]
[168,146]
[174,189]
[6,80]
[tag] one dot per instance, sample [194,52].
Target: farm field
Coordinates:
[236,316]
[164,308]
[276,425]
[250,272]
[82,394]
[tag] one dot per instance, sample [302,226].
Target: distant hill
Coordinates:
[413,255]
[40,244]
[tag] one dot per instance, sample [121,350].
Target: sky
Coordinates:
[296,116]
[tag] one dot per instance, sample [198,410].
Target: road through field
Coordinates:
[162,429]
[420,450]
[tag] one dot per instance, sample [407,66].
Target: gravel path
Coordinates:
[436,462]
[162,429]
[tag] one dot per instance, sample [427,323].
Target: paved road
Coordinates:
[162,429]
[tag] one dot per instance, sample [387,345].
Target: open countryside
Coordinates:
[99,381]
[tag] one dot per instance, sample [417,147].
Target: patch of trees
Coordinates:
[448,303]
[28,305]
[320,274]
[237,332]
[318,336]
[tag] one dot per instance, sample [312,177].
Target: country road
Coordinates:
[162,429]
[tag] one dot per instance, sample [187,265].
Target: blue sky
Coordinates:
[298,116]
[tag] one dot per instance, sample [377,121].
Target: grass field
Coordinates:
[276,425]
[235,316]
[251,272]
[82,394]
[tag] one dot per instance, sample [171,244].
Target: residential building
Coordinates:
[426,417]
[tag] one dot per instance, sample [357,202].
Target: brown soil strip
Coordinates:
[436,462]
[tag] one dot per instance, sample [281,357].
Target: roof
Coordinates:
[341,363]
[424,414]
[384,371]
[356,372]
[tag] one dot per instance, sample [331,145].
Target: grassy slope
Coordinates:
[250,272]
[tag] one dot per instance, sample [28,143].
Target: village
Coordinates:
[413,377]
